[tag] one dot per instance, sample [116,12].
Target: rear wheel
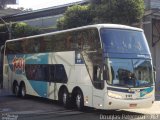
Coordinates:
[23,90]
[16,89]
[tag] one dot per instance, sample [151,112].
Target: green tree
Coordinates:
[3,34]
[22,29]
[131,11]
[75,16]
[118,11]
[18,30]
[103,11]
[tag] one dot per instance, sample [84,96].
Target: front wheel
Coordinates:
[79,100]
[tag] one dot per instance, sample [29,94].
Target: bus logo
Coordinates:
[18,64]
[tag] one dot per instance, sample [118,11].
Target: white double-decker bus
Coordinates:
[104,66]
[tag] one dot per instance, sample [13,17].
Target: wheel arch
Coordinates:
[22,83]
[63,87]
[75,89]
[15,82]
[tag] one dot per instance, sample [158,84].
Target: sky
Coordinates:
[38,4]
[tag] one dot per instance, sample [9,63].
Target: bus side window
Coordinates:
[80,40]
[60,74]
[69,42]
[52,73]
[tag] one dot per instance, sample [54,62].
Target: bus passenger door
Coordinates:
[98,86]
[95,68]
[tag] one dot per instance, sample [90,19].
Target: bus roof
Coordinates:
[114,26]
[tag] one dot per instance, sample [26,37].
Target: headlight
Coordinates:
[149,94]
[114,95]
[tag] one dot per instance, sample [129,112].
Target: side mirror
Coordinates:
[154,73]
[105,75]
[105,72]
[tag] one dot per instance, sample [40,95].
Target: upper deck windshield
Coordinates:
[123,41]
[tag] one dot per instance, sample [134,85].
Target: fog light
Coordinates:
[100,105]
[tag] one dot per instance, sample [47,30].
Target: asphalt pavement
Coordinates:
[34,108]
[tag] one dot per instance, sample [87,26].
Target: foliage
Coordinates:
[18,30]
[25,9]
[118,11]
[22,29]
[3,34]
[61,23]
[76,15]
[131,11]
[103,11]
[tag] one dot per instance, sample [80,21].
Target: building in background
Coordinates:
[7,11]
[151,26]
[43,18]
[3,3]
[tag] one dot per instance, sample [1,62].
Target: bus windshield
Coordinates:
[124,41]
[131,72]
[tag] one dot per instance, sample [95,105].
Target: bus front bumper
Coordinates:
[113,103]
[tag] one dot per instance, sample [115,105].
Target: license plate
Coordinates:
[132,105]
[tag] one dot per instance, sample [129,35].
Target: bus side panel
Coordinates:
[39,86]
[15,71]
[85,83]
[6,69]
[77,75]
[65,60]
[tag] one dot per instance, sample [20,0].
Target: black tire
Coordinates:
[65,98]
[79,100]
[22,91]
[16,89]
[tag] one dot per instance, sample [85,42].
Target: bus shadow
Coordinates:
[86,109]
[102,114]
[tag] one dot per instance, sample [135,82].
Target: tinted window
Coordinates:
[59,42]
[44,72]
[131,72]
[124,41]
[37,72]
[86,39]
[60,73]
